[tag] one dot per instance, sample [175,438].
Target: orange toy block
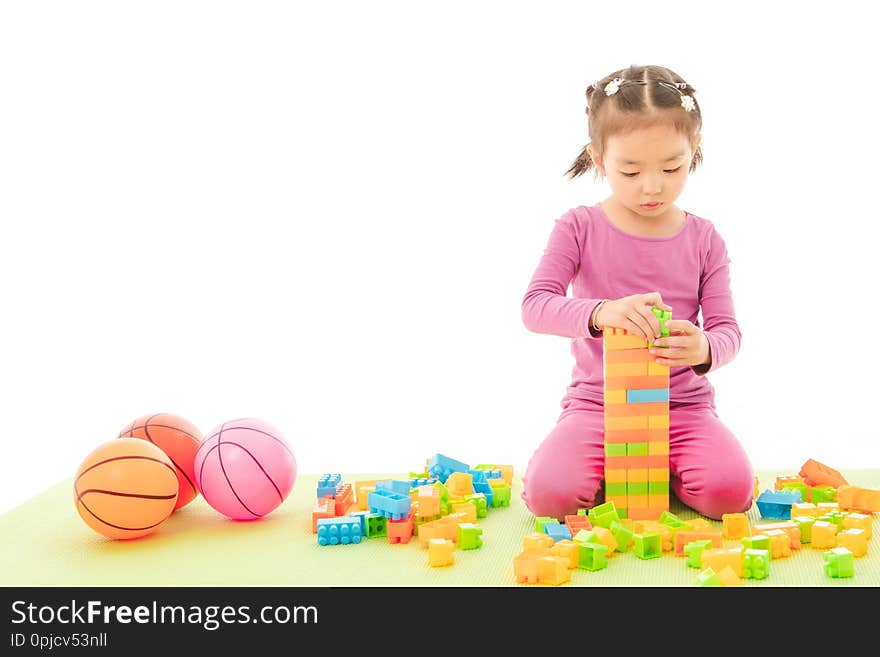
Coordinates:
[567,549]
[819,474]
[720,558]
[428,499]
[683,537]
[344,499]
[460,484]
[857,521]
[605,538]
[855,498]
[651,526]
[441,528]
[400,531]
[780,543]
[701,525]
[525,565]
[441,552]
[734,525]
[781,480]
[644,513]
[824,535]
[325,507]
[468,511]
[789,527]
[728,577]
[575,523]
[553,570]
[854,540]
[536,542]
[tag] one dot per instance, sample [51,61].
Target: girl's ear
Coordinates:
[597,162]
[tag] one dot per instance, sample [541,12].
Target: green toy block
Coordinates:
[756,542]
[658,487]
[603,515]
[479,501]
[615,488]
[835,516]
[582,512]
[756,563]
[694,552]
[500,495]
[647,546]
[637,488]
[798,486]
[615,449]
[419,475]
[637,449]
[586,536]
[469,536]
[673,521]
[622,534]
[444,492]
[540,521]
[805,524]
[663,316]
[592,556]
[823,494]
[838,562]
[708,577]
[377,525]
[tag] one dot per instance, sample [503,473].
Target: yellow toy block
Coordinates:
[605,538]
[658,447]
[553,570]
[654,527]
[615,396]
[658,421]
[620,501]
[780,544]
[460,484]
[804,509]
[616,338]
[734,525]
[719,558]
[658,474]
[638,475]
[824,508]
[655,369]
[637,502]
[857,521]
[525,566]
[441,528]
[658,501]
[824,535]
[728,577]
[567,549]
[626,369]
[536,541]
[701,525]
[781,480]
[362,490]
[441,552]
[855,540]
[615,476]
[626,423]
[467,509]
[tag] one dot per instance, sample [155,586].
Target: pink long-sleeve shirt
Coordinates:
[689,269]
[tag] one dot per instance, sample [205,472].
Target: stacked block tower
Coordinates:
[636,400]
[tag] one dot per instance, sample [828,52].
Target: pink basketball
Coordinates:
[244,468]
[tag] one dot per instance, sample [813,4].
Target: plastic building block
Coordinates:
[377,525]
[460,484]
[647,546]
[824,535]
[500,493]
[756,564]
[344,499]
[780,543]
[694,550]
[567,549]
[440,552]
[442,528]
[790,527]
[685,536]
[525,566]
[838,562]
[603,515]
[823,494]
[468,509]
[592,556]
[505,470]
[469,536]
[818,474]
[734,525]
[857,521]
[479,500]
[854,540]
[576,522]
[339,531]
[557,531]
[541,521]
[805,525]
[856,498]
[728,577]
[804,509]
[395,486]
[428,501]
[325,507]
[757,542]
[441,466]
[654,527]
[708,577]
[777,504]
[327,484]
[598,535]
[553,570]
[826,508]
[361,490]
[537,541]
[623,535]
[721,558]
[486,489]
[400,531]
[389,504]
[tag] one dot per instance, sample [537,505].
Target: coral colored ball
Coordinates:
[245,468]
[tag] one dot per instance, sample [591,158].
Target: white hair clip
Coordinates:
[612,87]
[688,103]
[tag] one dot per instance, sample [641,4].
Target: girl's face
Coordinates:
[647,168]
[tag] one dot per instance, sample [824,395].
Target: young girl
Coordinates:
[634,250]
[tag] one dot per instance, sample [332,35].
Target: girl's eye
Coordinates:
[633,175]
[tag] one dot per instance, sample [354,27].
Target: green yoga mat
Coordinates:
[45,543]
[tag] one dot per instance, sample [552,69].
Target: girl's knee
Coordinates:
[714,495]
[557,493]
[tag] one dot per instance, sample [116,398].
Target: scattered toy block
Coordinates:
[734,525]
[855,540]
[838,562]
[441,552]
[817,474]
[339,531]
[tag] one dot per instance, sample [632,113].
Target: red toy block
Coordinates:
[819,474]
[575,523]
[401,531]
[344,499]
[325,507]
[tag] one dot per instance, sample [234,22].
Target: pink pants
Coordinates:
[709,470]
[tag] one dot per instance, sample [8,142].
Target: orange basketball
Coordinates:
[126,488]
[179,439]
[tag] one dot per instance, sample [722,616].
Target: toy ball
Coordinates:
[126,488]
[245,468]
[179,439]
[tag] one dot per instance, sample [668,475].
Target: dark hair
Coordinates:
[640,102]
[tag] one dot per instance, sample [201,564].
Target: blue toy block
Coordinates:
[494,473]
[395,486]
[477,475]
[389,504]
[777,503]
[484,488]
[415,482]
[442,466]
[647,395]
[557,531]
[327,484]
[339,531]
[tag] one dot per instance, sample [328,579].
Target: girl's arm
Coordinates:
[716,305]
[545,306]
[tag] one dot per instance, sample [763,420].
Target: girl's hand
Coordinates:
[686,345]
[634,314]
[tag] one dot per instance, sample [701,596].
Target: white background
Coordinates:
[326,215]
